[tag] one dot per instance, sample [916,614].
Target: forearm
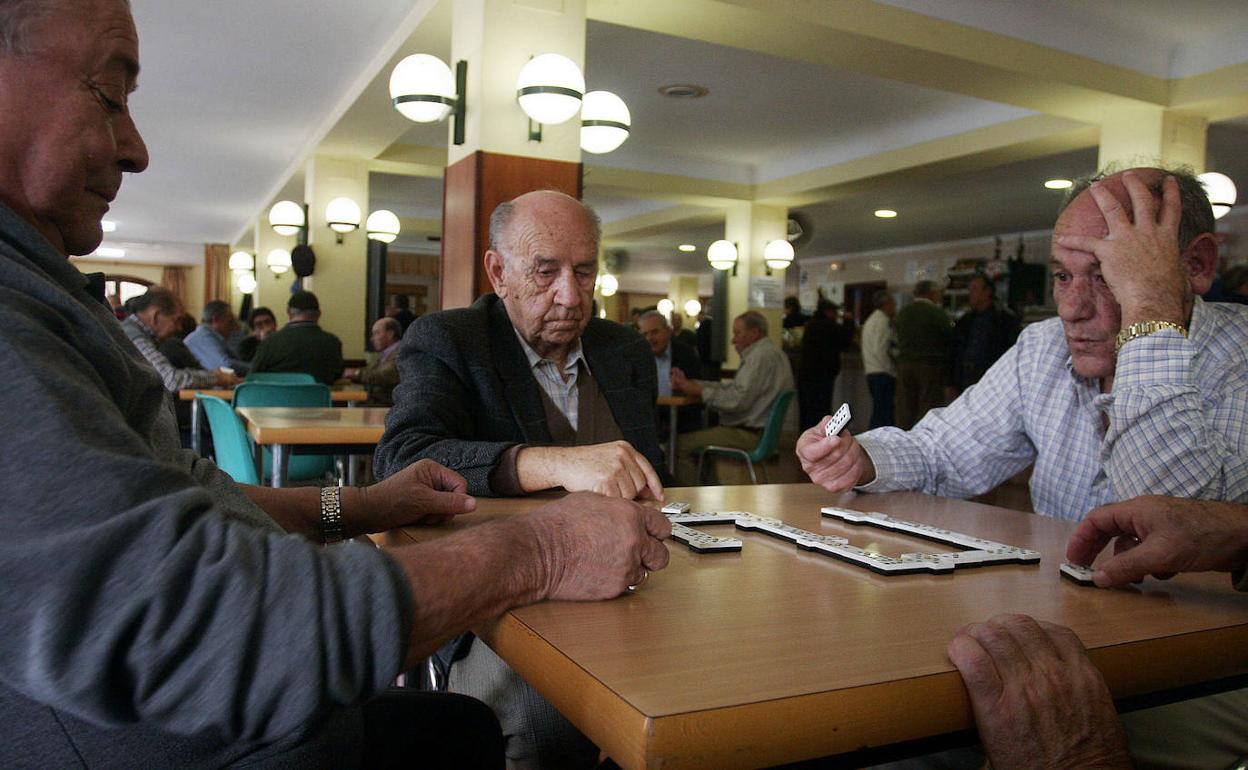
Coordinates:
[538,468]
[496,567]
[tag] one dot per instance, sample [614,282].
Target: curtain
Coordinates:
[216,272]
[174,279]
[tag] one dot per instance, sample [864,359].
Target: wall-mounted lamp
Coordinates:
[722,255]
[246,283]
[549,90]
[692,308]
[241,261]
[778,254]
[423,89]
[278,260]
[605,122]
[608,284]
[289,218]
[382,226]
[342,215]
[666,306]
[1221,191]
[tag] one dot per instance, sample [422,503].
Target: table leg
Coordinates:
[671,440]
[196,412]
[351,473]
[281,461]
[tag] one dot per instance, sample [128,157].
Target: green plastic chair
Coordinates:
[229,440]
[306,394]
[766,447]
[282,378]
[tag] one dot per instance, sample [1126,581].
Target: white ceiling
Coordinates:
[235,94]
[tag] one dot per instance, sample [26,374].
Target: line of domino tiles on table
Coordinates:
[937,534]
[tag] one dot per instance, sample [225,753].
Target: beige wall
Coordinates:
[148,272]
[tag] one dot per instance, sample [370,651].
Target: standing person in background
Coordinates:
[680,333]
[793,315]
[263,323]
[923,339]
[980,337]
[879,349]
[823,342]
[401,310]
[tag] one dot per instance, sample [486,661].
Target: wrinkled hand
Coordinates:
[614,469]
[682,384]
[1037,699]
[422,493]
[837,464]
[594,547]
[1140,260]
[224,379]
[1173,536]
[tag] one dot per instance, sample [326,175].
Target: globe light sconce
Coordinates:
[608,284]
[423,89]
[289,218]
[382,226]
[242,262]
[722,255]
[778,254]
[549,89]
[246,283]
[278,260]
[1221,191]
[692,308]
[605,122]
[342,215]
[666,306]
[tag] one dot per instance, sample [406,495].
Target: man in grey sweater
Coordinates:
[156,613]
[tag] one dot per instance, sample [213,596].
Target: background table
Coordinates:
[318,430]
[775,655]
[348,394]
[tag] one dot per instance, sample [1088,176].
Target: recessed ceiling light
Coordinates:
[687,247]
[108,225]
[683,91]
[110,252]
[1059,184]
[885,213]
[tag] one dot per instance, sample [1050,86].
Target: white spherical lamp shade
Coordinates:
[605,122]
[693,307]
[550,88]
[722,255]
[666,306]
[342,215]
[1221,191]
[286,217]
[609,285]
[278,261]
[422,88]
[241,260]
[246,283]
[778,254]
[383,226]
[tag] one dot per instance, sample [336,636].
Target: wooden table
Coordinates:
[317,430]
[674,403]
[349,394]
[776,655]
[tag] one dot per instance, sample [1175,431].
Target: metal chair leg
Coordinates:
[750,464]
[763,466]
[701,465]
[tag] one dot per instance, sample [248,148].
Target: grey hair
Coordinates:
[391,325]
[652,314]
[500,221]
[752,319]
[1197,215]
[20,18]
[158,297]
[213,310]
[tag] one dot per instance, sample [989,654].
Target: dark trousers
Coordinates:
[814,401]
[920,387]
[883,389]
[409,728]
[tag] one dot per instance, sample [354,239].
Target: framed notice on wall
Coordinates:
[766,292]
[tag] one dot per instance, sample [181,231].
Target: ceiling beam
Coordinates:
[655,222]
[1218,95]
[666,187]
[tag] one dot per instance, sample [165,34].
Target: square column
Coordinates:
[341,273]
[1151,135]
[752,226]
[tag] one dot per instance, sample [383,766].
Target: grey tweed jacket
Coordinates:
[466,392]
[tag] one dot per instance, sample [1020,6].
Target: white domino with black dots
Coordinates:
[1080,574]
[838,422]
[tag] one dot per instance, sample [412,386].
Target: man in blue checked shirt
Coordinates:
[1138,387]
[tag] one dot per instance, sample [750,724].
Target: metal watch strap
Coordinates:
[1143,329]
[331,515]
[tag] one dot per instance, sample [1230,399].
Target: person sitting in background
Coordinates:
[923,339]
[680,333]
[114,302]
[400,310]
[670,353]
[208,341]
[879,351]
[1037,698]
[823,341]
[262,323]
[157,316]
[744,402]
[302,345]
[380,377]
[980,337]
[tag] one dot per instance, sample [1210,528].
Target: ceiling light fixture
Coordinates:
[885,213]
[423,89]
[383,226]
[278,260]
[108,225]
[722,255]
[110,252]
[605,122]
[778,254]
[1221,191]
[687,247]
[1059,184]
[683,91]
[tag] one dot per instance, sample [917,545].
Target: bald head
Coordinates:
[546,205]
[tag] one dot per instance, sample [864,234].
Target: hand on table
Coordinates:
[682,384]
[223,379]
[422,493]
[1139,259]
[594,547]
[614,469]
[1162,536]
[1037,698]
[837,464]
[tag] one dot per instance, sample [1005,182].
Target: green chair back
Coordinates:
[775,423]
[285,378]
[308,394]
[229,440]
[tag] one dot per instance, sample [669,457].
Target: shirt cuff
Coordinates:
[504,479]
[1161,358]
[894,462]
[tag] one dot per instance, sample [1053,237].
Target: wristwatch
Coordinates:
[331,515]
[1143,329]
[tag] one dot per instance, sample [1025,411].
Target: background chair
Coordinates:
[766,447]
[308,394]
[285,378]
[233,448]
